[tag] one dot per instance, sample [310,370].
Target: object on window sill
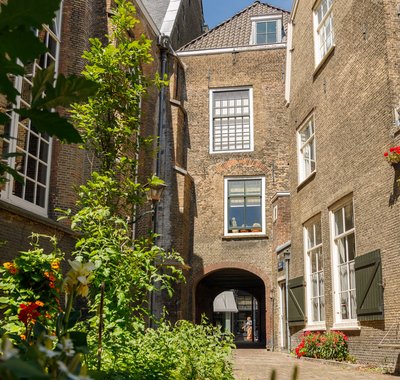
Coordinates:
[256,227]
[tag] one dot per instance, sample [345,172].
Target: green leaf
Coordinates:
[7,88]
[40,81]
[29,13]
[20,44]
[22,369]
[66,91]
[7,169]
[51,123]
[79,339]
[73,318]
[3,119]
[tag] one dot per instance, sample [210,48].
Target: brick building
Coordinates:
[237,128]
[51,170]
[343,100]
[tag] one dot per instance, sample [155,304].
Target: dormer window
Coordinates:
[266,30]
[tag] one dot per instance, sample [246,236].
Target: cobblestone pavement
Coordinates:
[257,364]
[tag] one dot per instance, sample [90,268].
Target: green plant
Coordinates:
[331,345]
[183,351]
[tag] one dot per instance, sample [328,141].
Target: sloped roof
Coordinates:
[157,10]
[236,31]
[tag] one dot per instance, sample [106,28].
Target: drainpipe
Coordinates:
[287,260]
[163,45]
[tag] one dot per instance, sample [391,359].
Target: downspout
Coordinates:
[163,44]
[287,261]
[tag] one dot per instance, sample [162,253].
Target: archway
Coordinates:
[243,290]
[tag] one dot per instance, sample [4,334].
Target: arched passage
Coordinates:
[242,283]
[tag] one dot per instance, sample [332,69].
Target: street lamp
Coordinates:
[154,192]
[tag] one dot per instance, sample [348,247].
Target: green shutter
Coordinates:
[296,301]
[369,288]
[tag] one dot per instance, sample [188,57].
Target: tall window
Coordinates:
[323,24]
[266,30]
[33,148]
[314,272]
[231,120]
[343,261]
[306,149]
[244,205]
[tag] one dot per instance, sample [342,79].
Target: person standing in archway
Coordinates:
[248,327]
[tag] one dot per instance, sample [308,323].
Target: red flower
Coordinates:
[28,313]
[386,154]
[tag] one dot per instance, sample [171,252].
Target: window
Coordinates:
[306,149]
[231,120]
[244,205]
[343,263]
[266,30]
[32,147]
[314,273]
[323,29]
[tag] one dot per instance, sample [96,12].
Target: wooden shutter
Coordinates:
[296,301]
[369,287]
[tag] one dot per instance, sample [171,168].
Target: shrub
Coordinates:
[183,351]
[331,345]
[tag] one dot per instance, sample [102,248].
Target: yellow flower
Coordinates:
[55,265]
[8,265]
[78,277]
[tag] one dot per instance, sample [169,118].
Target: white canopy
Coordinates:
[225,302]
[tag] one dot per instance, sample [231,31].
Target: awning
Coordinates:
[225,302]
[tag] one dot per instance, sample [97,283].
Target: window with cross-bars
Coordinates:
[231,120]
[33,149]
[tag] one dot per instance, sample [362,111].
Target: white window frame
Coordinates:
[211,113]
[7,194]
[269,18]
[308,250]
[339,322]
[320,28]
[263,219]
[303,173]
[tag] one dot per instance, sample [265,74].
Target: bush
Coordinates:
[331,345]
[183,351]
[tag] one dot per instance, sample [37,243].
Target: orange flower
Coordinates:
[39,303]
[51,284]
[55,265]
[46,274]
[13,270]
[23,337]
[48,316]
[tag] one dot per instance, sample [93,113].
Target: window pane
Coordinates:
[236,187]
[315,309]
[353,304]
[261,27]
[348,216]
[340,244]
[271,26]
[318,238]
[343,274]
[339,229]
[344,307]
[253,187]
[351,248]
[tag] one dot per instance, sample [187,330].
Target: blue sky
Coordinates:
[217,11]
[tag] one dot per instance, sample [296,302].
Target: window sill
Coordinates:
[307,180]
[348,326]
[247,236]
[315,327]
[323,61]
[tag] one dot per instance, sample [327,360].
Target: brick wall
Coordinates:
[262,71]
[351,97]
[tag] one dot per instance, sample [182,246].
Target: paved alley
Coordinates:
[257,364]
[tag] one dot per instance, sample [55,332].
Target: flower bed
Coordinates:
[331,345]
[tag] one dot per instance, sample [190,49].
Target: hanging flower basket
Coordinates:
[393,156]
